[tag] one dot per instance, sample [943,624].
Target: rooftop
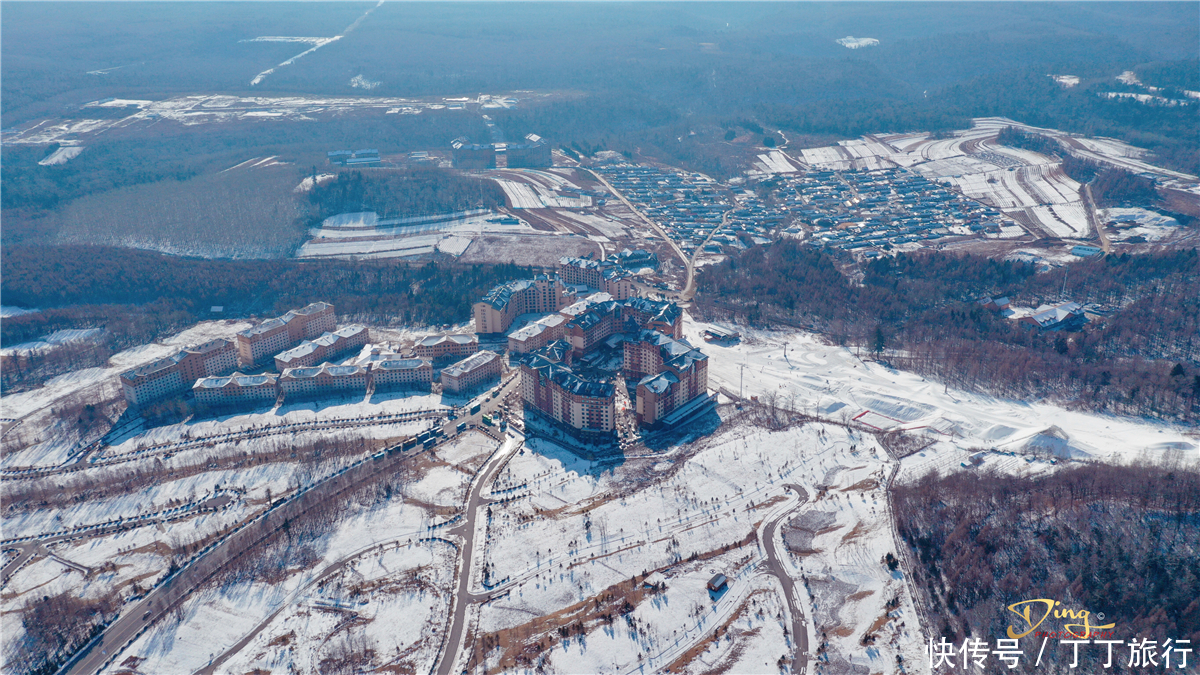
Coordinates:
[432,340]
[470,363]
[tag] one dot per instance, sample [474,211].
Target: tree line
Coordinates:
[137,296]
[919,311]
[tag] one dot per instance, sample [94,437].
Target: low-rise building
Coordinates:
[448,345]
[1063,316]
[400,373]
[272,336]
[324,348]
[326,379]
[236,390]
[175,374]
[472,372]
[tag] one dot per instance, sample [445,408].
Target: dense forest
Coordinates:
[403,193]
[137,296]
[919,311]
[1117,541]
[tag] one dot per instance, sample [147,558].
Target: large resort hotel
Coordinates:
[669,376]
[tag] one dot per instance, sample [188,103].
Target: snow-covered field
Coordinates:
[62,155]
[217,108]
[56,339]
[832,381]
[776,161]
[390,238]
[1134,222]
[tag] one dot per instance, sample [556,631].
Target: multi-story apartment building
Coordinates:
[537,334]
[437,347]
[175,374]
[398,373]
[550,387]
[602,275]
[276,335]
[236,390]
[671,373]
[472,372]
[664,317]
[595,326]
[502,304]
[323,380]
[324,348]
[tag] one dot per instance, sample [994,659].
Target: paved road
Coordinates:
[1089,206]
[463,598]
[776,566]
[653,225]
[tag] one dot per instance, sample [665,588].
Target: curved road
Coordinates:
[777,567]
[463,598]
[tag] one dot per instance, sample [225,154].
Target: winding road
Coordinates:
[463,597]
[776,566]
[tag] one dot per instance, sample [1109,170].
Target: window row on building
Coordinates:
[311,382]
[321,349]
[273,336]
[171,376]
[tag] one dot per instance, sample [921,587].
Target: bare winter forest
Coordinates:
[1116,541]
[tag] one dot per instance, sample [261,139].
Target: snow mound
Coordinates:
[904,411]
[1056,442]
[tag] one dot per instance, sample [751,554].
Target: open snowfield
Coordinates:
[217,108]
[832,381]
[62,155]
[534,189]
[776,161]
[587,528]
[1133,222]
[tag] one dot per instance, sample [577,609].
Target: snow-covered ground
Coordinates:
[374,575]
[851,42]
[56,339]
[7,311]
[776,161]
[1133,222]
[202,109]
[62,155]
[451,233]
[19,405]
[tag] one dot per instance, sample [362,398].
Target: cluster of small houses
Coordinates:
[304,345]
[687,206]
[858,209]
